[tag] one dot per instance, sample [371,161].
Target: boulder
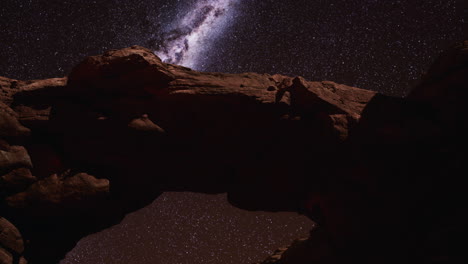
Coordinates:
[11,242]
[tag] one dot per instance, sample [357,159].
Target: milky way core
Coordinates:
[190,36]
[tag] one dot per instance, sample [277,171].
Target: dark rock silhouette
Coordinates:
[380,175]
[397,194]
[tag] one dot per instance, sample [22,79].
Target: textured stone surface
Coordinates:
[398,190]
[379,174]
[11,242]
[59,190]
[126,120]
[9,124]
[397,195]
[10,238]
[5,257]
[315,249]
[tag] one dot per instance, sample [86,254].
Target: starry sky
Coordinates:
[191,228]
[379,45]
[373,44]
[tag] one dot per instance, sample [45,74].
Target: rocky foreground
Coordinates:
[383,177]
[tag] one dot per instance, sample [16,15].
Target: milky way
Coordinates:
[377,45]
[189,37]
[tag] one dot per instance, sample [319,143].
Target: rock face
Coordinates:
[11,244]
[397,194]
[317,248]
[78,153]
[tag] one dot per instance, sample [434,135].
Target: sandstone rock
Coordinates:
[370,168]
[5,257]
[16,156]
[8,88]
[315,249]
[145,124]
[448,67]
[9,124]
[125,113]
[17,180]
[120,69]
[60,190]
[10,238]
[210,116]
[400,174]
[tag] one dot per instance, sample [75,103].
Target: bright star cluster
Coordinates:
[193,34]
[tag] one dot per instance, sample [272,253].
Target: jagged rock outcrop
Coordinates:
[397,196]
[78,153]
[11,244]
[402,182]
[83,151]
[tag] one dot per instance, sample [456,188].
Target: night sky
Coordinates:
[191,228]
[372,44]
[379,45]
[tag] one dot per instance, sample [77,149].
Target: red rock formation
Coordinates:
[78,153]
[127,119]
[398,194]
[11,243]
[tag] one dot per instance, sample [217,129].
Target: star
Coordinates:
[192,35]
